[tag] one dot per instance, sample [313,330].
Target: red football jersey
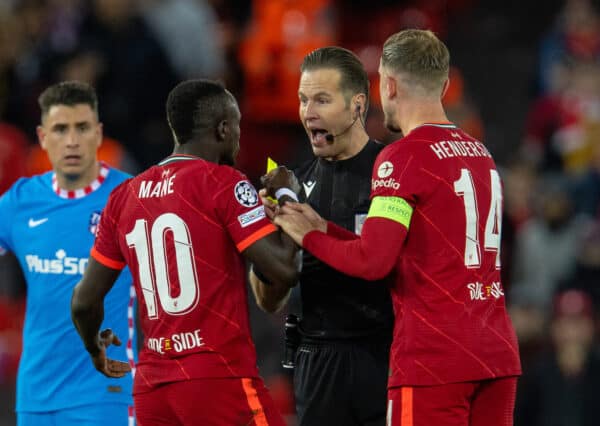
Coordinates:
[180,227]
[451,320]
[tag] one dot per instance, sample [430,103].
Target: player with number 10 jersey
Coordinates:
[180,226]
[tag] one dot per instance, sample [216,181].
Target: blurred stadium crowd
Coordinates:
[525,80]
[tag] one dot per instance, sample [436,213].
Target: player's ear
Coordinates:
[101,133]
[41,134]
[445,87]
[222,130]
[391,86]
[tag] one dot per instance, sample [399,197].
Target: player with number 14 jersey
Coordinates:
[436,215]
[458,313]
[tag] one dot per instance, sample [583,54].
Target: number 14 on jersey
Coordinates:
[465,188]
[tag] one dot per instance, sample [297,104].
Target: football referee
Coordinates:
[341,363]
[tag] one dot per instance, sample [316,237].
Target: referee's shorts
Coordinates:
[341,383]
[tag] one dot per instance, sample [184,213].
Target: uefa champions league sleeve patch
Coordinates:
[245,194]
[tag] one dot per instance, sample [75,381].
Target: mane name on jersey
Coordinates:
[150,188]
[448,149]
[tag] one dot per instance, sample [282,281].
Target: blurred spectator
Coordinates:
[103,42]
[563,126]
[279,35]
[188,31]
[519,185]
[233,17]
[587,269]
[13,154]
[10,47]
[64,21]
[546,246]
[12,313]
[530,324]
[586,192]
[561,388]
[24,31]
[575,36]
[519,180]
[459,108]
[14,147]
[134,78]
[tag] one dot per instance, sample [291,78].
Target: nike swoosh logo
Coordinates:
[34,223]
[308,187]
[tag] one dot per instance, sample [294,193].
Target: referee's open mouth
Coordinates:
[318,136]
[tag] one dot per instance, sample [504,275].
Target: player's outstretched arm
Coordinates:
[87,313]
[371,257]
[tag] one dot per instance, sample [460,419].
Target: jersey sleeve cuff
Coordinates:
[257,235]
[106,261]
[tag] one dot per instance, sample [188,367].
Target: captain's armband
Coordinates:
[392,208]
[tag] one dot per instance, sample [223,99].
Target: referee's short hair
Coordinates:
[353,76]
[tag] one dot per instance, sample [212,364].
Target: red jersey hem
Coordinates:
[106,261]
[257,235]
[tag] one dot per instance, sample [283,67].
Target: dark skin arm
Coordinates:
[273,296]
[276,255]
[87,313]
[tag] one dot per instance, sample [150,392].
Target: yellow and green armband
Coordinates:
[393,208]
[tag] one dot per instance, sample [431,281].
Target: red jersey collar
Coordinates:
[178,157]
[445,125]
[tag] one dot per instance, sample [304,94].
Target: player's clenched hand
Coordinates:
[109,367]
[298,219]
[279,178]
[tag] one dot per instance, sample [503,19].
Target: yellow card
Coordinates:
[271,165]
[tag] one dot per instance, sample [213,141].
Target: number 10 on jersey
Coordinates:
[152,260]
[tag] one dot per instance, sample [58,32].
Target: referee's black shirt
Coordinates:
[335,306]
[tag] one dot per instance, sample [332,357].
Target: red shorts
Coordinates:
[484,403]
[208,402]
